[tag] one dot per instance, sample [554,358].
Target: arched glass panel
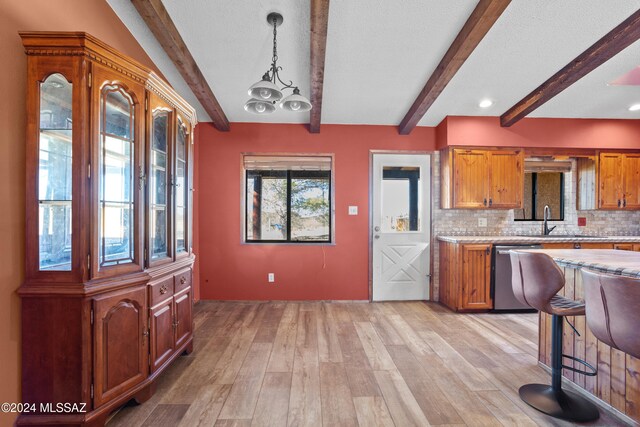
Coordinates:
[158,184]
[55,174]
[182,195]
[181,188]
[116,168]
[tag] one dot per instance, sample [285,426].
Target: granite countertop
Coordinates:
[624,263]
[539,239]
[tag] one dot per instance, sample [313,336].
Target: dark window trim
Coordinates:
[534,191]
[288,175]
[413,176]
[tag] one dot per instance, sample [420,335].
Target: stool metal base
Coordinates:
[560,404]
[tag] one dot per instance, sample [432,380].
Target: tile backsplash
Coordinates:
[452,222]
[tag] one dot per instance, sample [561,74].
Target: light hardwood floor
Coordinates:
[349,364]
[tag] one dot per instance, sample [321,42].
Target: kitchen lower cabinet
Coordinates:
[627,246]
[465,276]
[578,245]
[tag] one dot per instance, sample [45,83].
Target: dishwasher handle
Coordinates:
[505,250]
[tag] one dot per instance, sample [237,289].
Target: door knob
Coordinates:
[376,228]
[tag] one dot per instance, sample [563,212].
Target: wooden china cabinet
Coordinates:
[107,298]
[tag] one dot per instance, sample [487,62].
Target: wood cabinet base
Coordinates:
[465,276]
[98,417]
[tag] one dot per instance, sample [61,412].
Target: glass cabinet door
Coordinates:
[55,174]
[159,197]
[182,188]
[116,225]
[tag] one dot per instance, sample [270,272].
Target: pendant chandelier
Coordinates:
[265,93]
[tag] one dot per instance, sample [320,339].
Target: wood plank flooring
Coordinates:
[349,364]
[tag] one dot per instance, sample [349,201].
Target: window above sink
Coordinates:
[544,183]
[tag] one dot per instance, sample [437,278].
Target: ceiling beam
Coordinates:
[319,23]
[604,49]
[479,23]
[159,22]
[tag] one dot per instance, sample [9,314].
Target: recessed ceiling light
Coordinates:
[485,103]
[634,107]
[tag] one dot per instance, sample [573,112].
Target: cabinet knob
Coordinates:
[618,202]
[163,289]
[490,201]
[145,333]
[484,202]
[624,201]
[183,280]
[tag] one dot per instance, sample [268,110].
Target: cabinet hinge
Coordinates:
[89,171]
[145,254]
[89,262]
[90,78]
[92,391]
[92,316]
[146,104]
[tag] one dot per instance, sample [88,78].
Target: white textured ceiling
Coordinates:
[381,52]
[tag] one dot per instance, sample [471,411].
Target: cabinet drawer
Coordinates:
[182,280]
[160,291]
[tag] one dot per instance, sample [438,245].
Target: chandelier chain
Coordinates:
[274,59]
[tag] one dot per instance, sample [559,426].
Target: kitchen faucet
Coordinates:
[545,227]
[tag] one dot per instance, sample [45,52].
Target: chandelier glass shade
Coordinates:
[265,94]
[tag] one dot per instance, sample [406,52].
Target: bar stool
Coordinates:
[613,310]
[536,280]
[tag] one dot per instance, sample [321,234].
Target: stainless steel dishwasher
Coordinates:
[501,289]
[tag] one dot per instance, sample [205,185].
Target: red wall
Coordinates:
[231,270]
[545,133]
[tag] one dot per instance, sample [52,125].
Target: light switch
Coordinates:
[353,210]
[482,222]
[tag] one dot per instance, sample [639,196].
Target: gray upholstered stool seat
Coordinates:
[613,310]
[536,280]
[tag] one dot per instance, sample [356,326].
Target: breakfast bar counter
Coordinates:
[618,380]
[624,263]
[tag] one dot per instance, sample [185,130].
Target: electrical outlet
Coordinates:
[353,210]
[271,277]
[482,222]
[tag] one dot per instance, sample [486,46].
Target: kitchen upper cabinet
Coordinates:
[631,181]
[482,179]
[506,179]
[470,166]
[619,181]
[108,216]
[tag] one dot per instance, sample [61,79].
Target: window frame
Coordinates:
[534,200]
[244,220]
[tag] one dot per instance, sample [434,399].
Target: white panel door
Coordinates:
[401,226]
